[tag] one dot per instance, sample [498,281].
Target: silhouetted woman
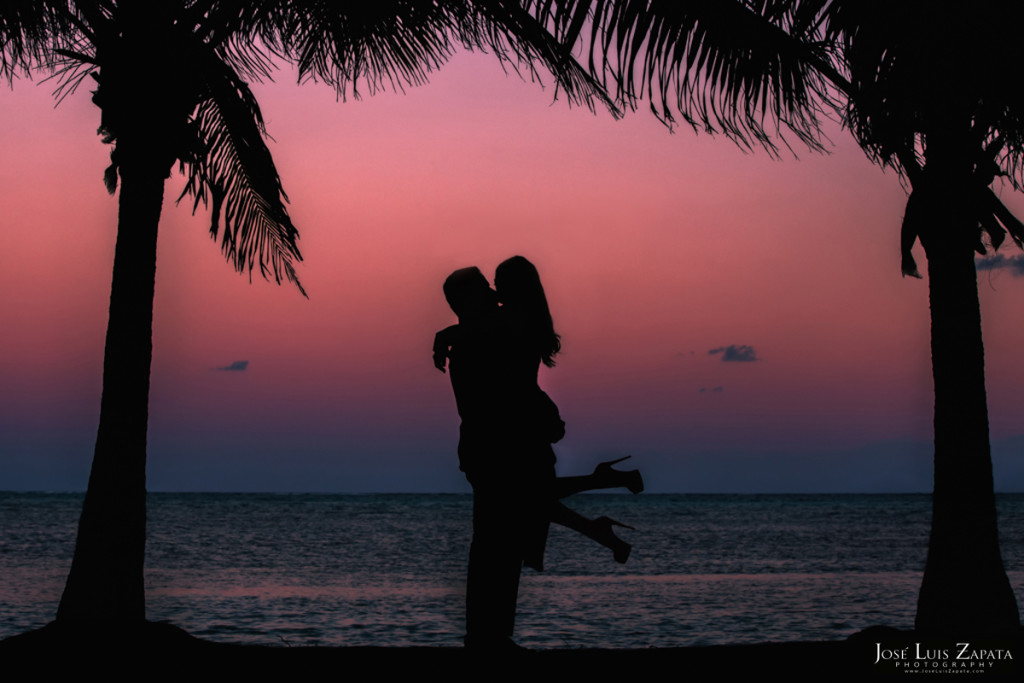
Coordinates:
[526,318]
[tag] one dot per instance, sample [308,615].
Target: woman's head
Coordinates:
[518,283]
[520,292]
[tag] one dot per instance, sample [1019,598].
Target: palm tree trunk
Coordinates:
[965,588]
[106,580]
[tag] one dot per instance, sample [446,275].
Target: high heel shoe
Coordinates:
[606,537]
[631,480]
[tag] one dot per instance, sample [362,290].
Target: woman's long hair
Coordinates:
[521,293]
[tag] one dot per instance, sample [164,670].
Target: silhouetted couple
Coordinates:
[508,425]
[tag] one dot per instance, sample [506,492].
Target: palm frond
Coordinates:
[30,32]
[369,43]
[234,29]
[392,44]
[991,207]
[518,38]
[56,39]
[231,169]
[744,68]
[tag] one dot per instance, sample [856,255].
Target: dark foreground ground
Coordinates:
[159,651]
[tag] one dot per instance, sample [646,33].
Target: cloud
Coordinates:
[1014,264]
[237,366]
[739,353]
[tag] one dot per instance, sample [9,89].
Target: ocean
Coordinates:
[390,569]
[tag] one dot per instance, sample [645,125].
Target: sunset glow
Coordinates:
[655,249]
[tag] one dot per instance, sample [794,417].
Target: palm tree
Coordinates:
[926,88]
[172,87]
[936,103]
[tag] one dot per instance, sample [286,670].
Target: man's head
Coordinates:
[468,293]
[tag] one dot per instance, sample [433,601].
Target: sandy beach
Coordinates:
[160,650]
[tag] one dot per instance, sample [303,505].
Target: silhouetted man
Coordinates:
[477,356]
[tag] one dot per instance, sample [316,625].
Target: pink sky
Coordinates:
[655,248]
